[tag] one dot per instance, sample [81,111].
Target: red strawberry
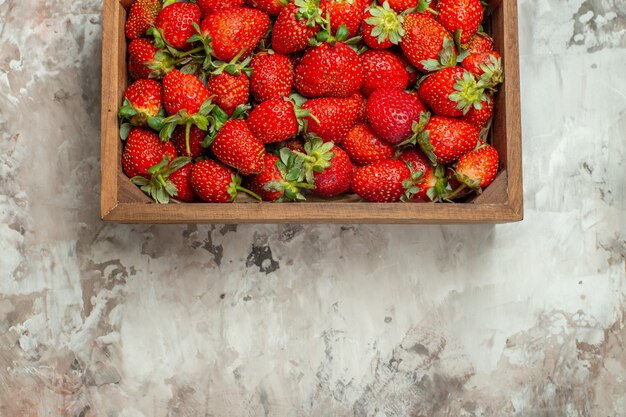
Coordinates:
[410,69]
[382,69]
[445,139]
[258,182]
[365,147]
[487,66]
[478,168]
[216,183]
[384,182]
[460,15]
[329,71]
[175,24]
[146,61]
[327,167]
[235,146]
[481,42]
[331,118]
[229,91]
[275,120]
[426,43]
[196,137]
[344,12]
[234,32]
[452,92]
[181,178]
[402,5]
[272,76]
[296,24]
[143,100]
[280,179]
[432,185]
[211,6]
[141,17]
[168,178]
[479,117]
[143,150]
[362,107]
[183,92]
[270,7]
[391,112]
[382,27]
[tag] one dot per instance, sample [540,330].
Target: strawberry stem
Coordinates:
[187,134]
[456,192]
[251,193]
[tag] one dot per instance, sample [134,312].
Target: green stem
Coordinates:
[251,193]
[161,180]
[192,51]
[187,133]
[456,192]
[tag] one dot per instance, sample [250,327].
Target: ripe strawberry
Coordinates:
[281,178]
[486,66]
[275,120]
[362,107]
[401,5]
[229,91]
[168,178]
[146,61]
[295,25]
[143,101]
[452,92]
[196,137]
[208,7]
[183,92]
[216,183]
[460,15]
[426,43]
[331,118]
[175,24]
[478,168]
[384,182]
[481,42]
[234,32]
[433,181]
[272,76]
[329,71]
[479,117]
[181,178]
[141,17]
[391,112]
[143,150]
[410,69]
[257,182]
[382,69]
[382,27]
[235,146]
[364,147]
[327,167]
[270,7]
[344,12]
[445,139]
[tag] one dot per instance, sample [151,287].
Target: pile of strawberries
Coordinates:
[283,99]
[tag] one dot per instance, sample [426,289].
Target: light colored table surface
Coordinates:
[525,319]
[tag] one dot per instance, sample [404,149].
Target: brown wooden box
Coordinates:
[501,202]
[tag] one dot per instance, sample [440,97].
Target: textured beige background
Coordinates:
[111,320]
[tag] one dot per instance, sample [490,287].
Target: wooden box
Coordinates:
[501,202]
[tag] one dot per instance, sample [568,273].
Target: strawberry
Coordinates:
[144,150]
[433,181]
[281,178]
[270,7]
[410,69]
[344,12]
[276,120]
[143,103]
[481,42]
[452,92]
[444,139]
[364,147]
[464,16]
[382,69]
[175,24]
[272,76]
[196,137]
[229,91]
[295,25]
[208,7]
[391,112]
[216,183]
[487,66]
[331,118]
[327,167]
[183,92]
[329,71]
[401,5]
[426,43]
[478,168]
[141,17]
[234,32]
[146,61]
[382,27]
[235,146]
[362,107]
[385,181]
[479,117]
[167,179]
